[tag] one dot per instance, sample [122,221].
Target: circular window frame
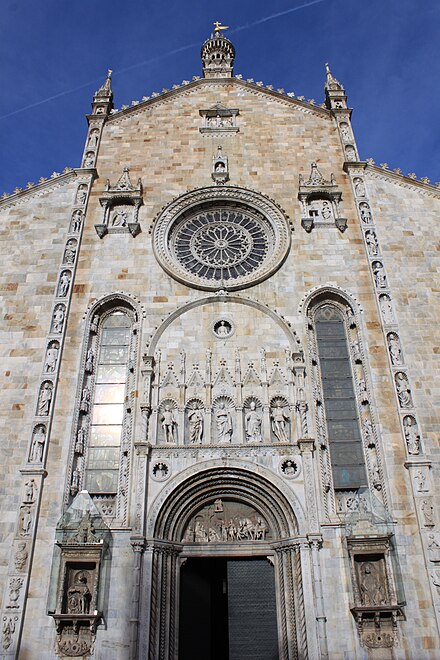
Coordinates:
[209,199]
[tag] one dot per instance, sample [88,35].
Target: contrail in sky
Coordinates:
[240,28]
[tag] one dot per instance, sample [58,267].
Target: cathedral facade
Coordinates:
[219,398]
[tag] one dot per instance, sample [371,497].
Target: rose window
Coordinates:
[226,243]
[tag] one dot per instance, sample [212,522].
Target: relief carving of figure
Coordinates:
[74,484]
[90,361]
[21,556]
[224,423]
[80,439]
[427,513]
[350,154]
[345,132]
[120,218]
[359,188]
[25,521]
[195,419]
[8,630]
[51,358]
[279,422]
[372,244]
[70,252]
[86,530]
[371,587]
[394,348]
[85,400]
[64,284]
[93,138]
[37,447]
[169,425]
[58,319]
[403,390]
[79,596]
[77,215]
[30,489]
[411,435]
[44,399]
[420,481]
[326,210]
[379,275]
[253,424]
[386,309]
[15,586]
[81,194]
[89,159]
[365,213]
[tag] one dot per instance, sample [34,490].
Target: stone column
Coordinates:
[138,545]
[316,544]
[307,448]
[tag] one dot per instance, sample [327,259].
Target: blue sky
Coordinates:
[55,53]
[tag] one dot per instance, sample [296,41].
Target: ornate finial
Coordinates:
[219,27]
[331,82]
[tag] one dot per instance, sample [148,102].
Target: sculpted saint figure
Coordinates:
[58,319]
[120,218]
[372,243]
[403,391]
[395,352]
[224,423]
[38,440]
[195,419]
[279,422]
[64,284]
[412,435]
[379,274]
[253,424]
[44,399]
[79,596]
[169,425]
[51,359]
[21,556]
[370,586]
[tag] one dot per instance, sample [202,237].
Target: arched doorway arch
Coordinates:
[241,494]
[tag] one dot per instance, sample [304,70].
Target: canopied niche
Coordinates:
[224,371]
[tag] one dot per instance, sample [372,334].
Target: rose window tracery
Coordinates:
[228,239]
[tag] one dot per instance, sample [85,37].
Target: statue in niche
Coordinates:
[427,513]
[58,319]
[345,132]
[350,154]
[25,520]
[21,556]
[372,244]
[74,484]
[386,309]
[169,425]
[371,585]
[44,399]
[394,348]
[51,357]
[80,440]
[195,419]
[81,195]
[119,218]
[420,481]
[90,361]
[77,218]
[85,400]
[64,284]
[411,435]
[279,422]
[79,595]
[326,210]
[359,188]
[93,138]
[89,159]
[224,423]
[379,275]
[70,252]
[37,446]
[252,423]
[403,390]
[30,490]
[365,213]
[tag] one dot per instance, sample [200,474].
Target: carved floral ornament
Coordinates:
[221,238]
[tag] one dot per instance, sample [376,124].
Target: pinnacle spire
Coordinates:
[335,98]
[331,82]
[106,88]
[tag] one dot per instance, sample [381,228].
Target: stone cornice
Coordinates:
[188,86]
[403,180]
[46,186]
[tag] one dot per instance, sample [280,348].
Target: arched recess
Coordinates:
[167,551]
[233,298]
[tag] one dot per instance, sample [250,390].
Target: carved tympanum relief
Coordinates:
[226,521]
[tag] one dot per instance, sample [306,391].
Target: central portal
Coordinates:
[227,610]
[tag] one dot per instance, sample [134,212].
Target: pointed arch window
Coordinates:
[108,409]
[340,405]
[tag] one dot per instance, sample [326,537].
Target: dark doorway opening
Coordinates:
[227,610]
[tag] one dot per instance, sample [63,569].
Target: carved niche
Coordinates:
[220,168]
[376,607]
[121,205]
[77,574]
[226,521]
[320,199]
